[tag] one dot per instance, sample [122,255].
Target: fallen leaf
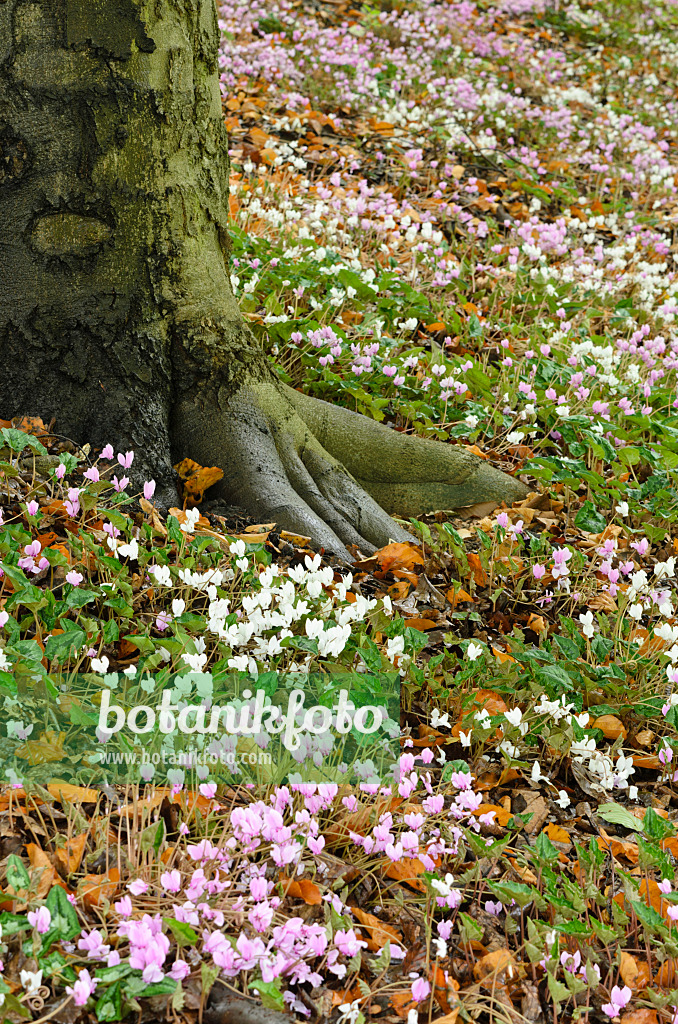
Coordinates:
[557,834]
[94,889]
[302,889]
[196,479]
[398,556]
[407,871]
[48,747]
[65,793]
[487,699]
[70,856]
[421,624]
[537,623]
[634,973]
[477,570]
[643,1015]
[377,932]
[402,1002]
[44,869]
[502,816]
[610,726]
[494,963]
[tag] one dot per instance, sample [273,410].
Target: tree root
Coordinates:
[323,471]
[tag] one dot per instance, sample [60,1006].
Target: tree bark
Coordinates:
[116,310]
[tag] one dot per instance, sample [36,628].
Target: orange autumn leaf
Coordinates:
[643,1015]
[634,973]
[302,889]
[48,747]
[487,699]
[494,963]
[610,726]
[458,597]
[32,425]
[70,856]
[94,889]
[398,556]
[402,1002]
[557,834]
[502,656]
[477,571]
[196,479]
[502,815]
[537,623]
[667,975]
[421,624]
[65,793]
[407,871]
[43,868]
[377,933]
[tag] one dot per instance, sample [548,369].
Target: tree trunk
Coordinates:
[116,311]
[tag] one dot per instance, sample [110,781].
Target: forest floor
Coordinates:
[459,219]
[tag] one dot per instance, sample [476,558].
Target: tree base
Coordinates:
[323,471]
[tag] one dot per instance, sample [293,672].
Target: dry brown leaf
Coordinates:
[610,726]
[421,624]
[407,871]
[94,889]
[537,623]
[398,556]
[70,856]
[376,932]
[618,847]
[43,868]
[402,1002]
[302,889]
[202,525]
[458,597]
[65,793]
[48,747]
[643,1015]
[196,479]
[557,834]
[477,571]
[634,973]
[494,963]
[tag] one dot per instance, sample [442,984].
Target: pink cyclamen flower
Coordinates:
[493,908]
[74,578]
[149,489]
[83,988]
[126,460]
[107,453]
[619,997]
[179,970]
[92,474]
[40,919]
[60,471]
[665,886]
[124,906]
[171,881]
[503,520]
[32,508]
[420,990]
[138,887]
[4,618]
[538,571]
[121,484]
[208,790]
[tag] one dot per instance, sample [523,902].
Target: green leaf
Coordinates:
[17,876]
[182,932]
[109,1006]
[13,923]
[64,917]
[649,916]
[208,975]
[588,518]
[618,815]
[136,988]
[17,441]
[65,644]
[269,993]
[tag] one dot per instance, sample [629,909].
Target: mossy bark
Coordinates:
[114,288]
[116,310]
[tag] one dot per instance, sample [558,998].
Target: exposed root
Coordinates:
[323,471]
[406,475]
